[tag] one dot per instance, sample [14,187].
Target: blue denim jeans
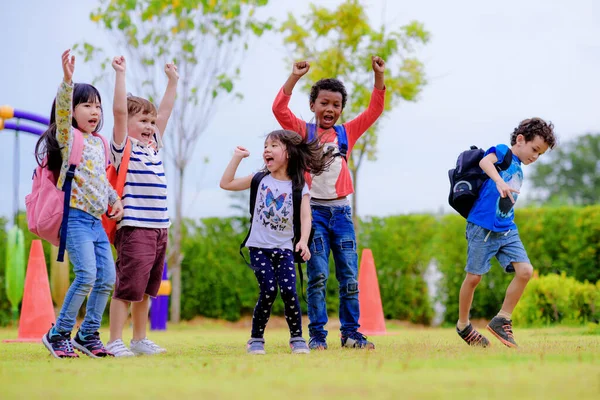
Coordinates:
[334,231]
[94,267]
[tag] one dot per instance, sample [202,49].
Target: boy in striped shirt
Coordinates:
[142,233]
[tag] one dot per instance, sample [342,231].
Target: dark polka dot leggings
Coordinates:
[273,268]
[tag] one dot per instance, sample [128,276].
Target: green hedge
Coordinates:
[564,240]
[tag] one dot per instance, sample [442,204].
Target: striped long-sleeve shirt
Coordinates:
[145,192]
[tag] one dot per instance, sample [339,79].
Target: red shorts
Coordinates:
[140,262]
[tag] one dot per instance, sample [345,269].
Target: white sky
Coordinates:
[489,65]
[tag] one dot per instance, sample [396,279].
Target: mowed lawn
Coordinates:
[208,361]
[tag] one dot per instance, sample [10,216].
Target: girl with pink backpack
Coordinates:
[74,151]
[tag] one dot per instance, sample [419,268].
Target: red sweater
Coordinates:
[335,182]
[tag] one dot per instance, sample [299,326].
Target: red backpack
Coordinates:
[116,177]
[47,206]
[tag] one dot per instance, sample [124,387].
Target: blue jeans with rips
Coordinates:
[94,267]
[334,230]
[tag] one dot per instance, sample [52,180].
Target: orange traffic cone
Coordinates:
[37,311]
[371,318]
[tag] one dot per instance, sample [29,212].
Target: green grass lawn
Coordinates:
[208,361]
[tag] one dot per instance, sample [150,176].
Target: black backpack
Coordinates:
[467,179]
[296,203]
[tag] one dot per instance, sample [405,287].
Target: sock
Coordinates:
[504,314]
[462,325]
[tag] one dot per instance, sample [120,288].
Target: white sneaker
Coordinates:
[119,349]
[146,346]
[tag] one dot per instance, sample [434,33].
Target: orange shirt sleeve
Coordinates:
[285,116]
[359,125]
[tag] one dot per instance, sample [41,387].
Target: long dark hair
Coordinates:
[47,146]
[303,156]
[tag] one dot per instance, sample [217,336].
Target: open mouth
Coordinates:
[93,121]
[268,161]
[328,119]
[146,135]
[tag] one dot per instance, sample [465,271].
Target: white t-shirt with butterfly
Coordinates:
[272,225]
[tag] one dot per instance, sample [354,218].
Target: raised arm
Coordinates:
[228,180]
[359,125]
[120,101]
[283,114]
[64,101]
[488,166]
[168,101]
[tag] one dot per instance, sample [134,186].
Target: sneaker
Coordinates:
[59,344]
[502,329]
[90,345]
[299,346]
[256,346]
[356,340]
[145,347]
[317,343]
[472,337]
[119,349]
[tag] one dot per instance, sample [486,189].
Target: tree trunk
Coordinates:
[176,257]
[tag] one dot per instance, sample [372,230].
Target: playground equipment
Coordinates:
[159,308]
[15,269]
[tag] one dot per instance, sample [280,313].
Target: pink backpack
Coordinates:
[47,206]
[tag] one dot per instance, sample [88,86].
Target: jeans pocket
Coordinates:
[317,245]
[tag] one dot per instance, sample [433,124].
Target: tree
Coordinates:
[207,40]
[570,174]
[340,44]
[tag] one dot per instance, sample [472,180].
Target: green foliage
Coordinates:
[402,251]
[558,299]
[563,244]
[570,173]
[339,44]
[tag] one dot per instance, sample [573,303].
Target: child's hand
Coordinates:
[171,71]
[117,210]
[378,64]
[241,152]
[118,64]
[300,68]
[506,190]
[302,247]
[68,64]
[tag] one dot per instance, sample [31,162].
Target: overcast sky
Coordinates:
[489,65]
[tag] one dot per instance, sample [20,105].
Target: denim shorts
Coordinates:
[483,244]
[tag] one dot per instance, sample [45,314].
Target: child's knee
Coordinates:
[472,279]
[523,270]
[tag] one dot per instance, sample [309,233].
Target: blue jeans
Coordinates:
[94,267]
[334,231]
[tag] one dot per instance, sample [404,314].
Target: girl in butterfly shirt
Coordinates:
[287,157]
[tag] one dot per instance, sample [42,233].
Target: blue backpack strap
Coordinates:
[253,192]
[342,137]
[77,136]
[311,130]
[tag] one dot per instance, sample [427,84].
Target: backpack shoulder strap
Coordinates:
[311,131]
[253,192]
[342,137]
[123,167]
[76,148]
[296,206]
[506,162]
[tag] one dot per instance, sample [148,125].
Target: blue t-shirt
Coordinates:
[490,210]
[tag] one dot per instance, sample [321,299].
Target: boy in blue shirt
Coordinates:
[491,230]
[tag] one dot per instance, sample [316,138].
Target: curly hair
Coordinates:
[532,127]
[47,149]
[303,156]
[331,84]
